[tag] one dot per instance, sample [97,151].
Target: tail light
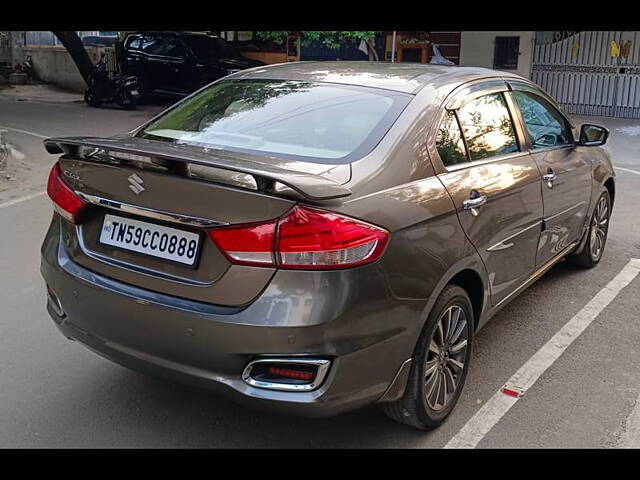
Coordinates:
[65,202]
[304,238]
[291,373]
[248,244]
[317,239]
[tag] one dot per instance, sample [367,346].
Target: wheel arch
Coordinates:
[469,274]
[610,185]
[471,282]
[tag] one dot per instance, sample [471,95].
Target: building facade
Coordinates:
[503,50]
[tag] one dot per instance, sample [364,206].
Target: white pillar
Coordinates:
[393,48]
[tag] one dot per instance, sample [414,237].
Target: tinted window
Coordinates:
[487,128]
[152,44]
[545,125]
[134,43]
[209,48]
[170,47]
[449,141]
[318,122]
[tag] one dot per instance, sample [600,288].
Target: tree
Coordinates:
[73,44]
[331,39]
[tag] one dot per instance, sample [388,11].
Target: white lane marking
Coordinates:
[632,130]
[499,404]
[27,132]
[627,170]
[21,199]
[33,195]
[631,436]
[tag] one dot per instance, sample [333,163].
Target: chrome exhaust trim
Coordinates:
[321,373]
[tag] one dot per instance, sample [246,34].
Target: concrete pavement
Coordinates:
[55,393]
[27,124]
[40,93]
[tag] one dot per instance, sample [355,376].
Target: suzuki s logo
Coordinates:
[136,184]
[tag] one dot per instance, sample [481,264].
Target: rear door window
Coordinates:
[449,141]
[152,44]
[487,127]
[174,48]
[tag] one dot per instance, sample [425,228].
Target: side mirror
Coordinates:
[593,135]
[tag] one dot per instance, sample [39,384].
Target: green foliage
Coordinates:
[330,39]
[277,37]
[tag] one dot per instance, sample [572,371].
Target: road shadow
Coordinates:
[151,412]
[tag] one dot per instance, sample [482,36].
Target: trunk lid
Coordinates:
[185,188]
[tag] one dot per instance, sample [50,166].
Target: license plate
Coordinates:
[150,239]
[134,92]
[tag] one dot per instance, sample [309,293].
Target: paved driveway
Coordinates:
[55,393]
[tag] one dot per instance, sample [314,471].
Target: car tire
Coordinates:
[130,104]
[597,233]
[92,99]
[420,406]
[143,89]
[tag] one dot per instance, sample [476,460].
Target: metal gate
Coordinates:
[590,73]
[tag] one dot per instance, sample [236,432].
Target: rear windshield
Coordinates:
[313,122]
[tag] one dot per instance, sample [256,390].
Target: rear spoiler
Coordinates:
[311,186]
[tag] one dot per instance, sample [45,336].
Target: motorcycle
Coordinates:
[123,89]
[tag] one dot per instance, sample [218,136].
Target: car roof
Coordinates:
[401,77]
[176,33]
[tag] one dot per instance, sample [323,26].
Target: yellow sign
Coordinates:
[615,49]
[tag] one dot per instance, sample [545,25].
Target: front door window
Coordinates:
[545,125]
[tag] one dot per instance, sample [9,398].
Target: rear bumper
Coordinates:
[365,332]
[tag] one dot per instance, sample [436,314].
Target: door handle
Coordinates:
[476,200]
[549,177]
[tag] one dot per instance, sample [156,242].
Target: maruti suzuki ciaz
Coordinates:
[313,237]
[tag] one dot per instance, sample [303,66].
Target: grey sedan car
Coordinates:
[310,238]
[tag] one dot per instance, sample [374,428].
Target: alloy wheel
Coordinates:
[599,226]
[446,357]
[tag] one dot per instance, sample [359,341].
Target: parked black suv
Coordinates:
[178,63]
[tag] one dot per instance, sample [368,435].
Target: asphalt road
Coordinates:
[55,393]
